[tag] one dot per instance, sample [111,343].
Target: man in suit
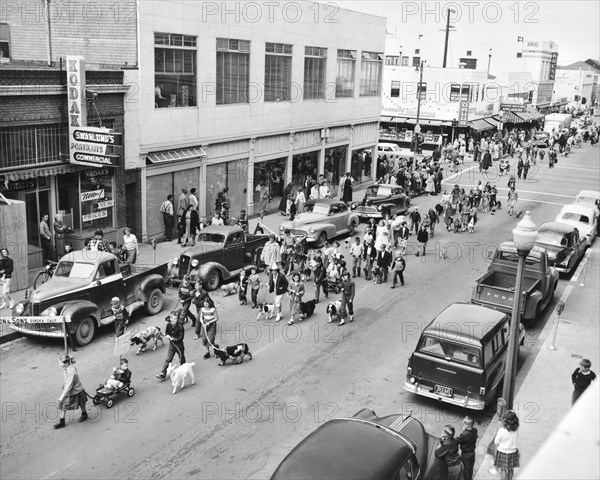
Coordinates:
[278,285]
[369,256]
[384,260]
[182,204]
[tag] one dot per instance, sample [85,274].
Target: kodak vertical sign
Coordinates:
[87,145]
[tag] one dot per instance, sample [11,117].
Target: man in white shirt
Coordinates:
[192,199]
[323,190]
[217,220]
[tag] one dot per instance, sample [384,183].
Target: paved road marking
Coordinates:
[587,169]
[59,470]
[458,174]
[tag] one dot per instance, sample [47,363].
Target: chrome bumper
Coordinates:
[37,333]
[459,400]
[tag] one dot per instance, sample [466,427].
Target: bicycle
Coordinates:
[44,275]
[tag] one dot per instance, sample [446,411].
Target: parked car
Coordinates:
[365,447]
[588,198]
[321,220]
[583,217]
[222,252]
[461,356]
[496,289]
[563,244]
[80,290]
[541,139]
[382,201]
[390,151]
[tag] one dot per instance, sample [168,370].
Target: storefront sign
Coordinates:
[553,65]
[94,216]
[106,204]
[96,173]
[103,136]
[513,107]
[463,114]
[93,195]
[18,186]
[42,319]
[94,159]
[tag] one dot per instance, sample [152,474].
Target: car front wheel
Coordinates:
[213,280]
[85,331]
[321,240]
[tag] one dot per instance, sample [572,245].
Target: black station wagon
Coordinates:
[382,201]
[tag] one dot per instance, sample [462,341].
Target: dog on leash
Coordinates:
[177,374]
[333,310]
[471,226]
[308,308]
[443,253]
[235,353]
[148,334]
[229,289]
[266,309]
[519,213]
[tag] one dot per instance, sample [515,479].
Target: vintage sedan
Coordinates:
[583,217]
[564,245]
[321,220]
[382,201]
[541,139]
[590,198]
[367,447]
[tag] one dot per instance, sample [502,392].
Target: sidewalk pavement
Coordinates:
[543,396]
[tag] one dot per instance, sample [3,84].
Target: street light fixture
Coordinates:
[417,126]
[524,236]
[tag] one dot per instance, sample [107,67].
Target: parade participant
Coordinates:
[254,283]
[398,267]
[415,219]
[200,295]
[382,238]
[369,256]
[278,285]
[324,189]
[120,376]
[120,316]
[174,332]
[448,451]
[182,205]
[467,441]
[271,253]
[130,245]
[320,278]
[243,288]
[526,166]
[581,378]
[433,219]
[186,294]
[513,198]
[422,238]
[208,319]
[520,165]
[507,453]
[287,251]
[403,235]
[73,395]
[295,291]
[356,252]
[348,292]
[384,260]
[7,266]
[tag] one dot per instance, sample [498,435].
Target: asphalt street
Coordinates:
[239,421]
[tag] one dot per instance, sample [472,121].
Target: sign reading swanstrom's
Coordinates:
[87,145]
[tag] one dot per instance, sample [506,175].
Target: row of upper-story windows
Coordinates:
[175,63]
[466,92]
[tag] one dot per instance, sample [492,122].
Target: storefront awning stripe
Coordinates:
[479,125]
[175,155]
[47,171]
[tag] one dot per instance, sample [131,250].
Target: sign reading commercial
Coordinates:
[87,145]
[463,114]
[553,66]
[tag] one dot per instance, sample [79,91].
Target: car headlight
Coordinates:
[20,308]
[50,312]
[311,230]
[379,208]
[281,228]
[354,205]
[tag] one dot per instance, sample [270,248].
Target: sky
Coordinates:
[481,25]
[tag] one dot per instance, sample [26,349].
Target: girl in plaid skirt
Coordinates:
[507,453]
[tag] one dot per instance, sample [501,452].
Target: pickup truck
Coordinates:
[496,289]
[222,252]
[83,284]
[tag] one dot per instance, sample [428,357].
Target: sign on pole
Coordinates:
[463,114]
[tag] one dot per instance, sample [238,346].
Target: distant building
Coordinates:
[573,82]
[539,58]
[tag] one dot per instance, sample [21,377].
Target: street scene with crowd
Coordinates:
[417,306]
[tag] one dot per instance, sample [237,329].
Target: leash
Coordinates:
[206,332]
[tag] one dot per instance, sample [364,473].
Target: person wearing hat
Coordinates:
[182,205]
[73,395]
[398,267]
[348,292]
[120,316]
[347,183]
[278,285]
[98,243]
[448,451]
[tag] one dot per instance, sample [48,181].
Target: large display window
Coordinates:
[360,167]
[304,164]
[271,174]
[233,175]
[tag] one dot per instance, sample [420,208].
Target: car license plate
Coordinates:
[444,391]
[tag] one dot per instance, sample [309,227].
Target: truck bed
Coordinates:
[136,269]
[497,289]
[505,281]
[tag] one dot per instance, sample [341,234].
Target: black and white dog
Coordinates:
[333,310]
[266,309]
[235,353]
[308,308]
[142,338]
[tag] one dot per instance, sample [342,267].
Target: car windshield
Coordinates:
[378,191]
[552,238]
[576,217]
[586,200]
[211,237]
[444,348]
[74,269]
[319,208]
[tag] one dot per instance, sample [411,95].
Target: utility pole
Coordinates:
[489,62]
[447,36]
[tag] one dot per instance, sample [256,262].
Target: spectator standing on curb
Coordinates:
[130,245]
[348,292]
[120,315]
[448,451]
[182,205]
[46,238]
[6,269]
[73,395]
[467,441]
[507,453]
[581,378]
[263,195]
[175,333]
[398,267]
[59,235]
[166,209]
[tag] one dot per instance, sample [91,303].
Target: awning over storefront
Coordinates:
[528,116]
[479,125]
[60,169]
[412,120]
[175,155]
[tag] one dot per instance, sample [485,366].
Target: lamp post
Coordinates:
[417,126]
[524,236]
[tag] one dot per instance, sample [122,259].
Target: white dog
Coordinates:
[229,289]
[177,374]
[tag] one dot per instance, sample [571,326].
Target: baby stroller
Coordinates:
[106,394]
[334,285]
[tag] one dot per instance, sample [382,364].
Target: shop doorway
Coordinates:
[360,167]
[304,164]
[131,207]
[270,174]
[335,167]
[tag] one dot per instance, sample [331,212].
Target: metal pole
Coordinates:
[64,324]
[559,309]
[446,42]
[416,148]
[510,375]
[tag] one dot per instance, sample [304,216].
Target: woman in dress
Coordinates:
[430,185]
[73,395]
[130,245]
[295,291]
[59,235]
[347,182]
[507,453]
[513,198]
[382,238]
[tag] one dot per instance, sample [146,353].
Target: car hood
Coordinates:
[58,286]
[582,227]
[307,218]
